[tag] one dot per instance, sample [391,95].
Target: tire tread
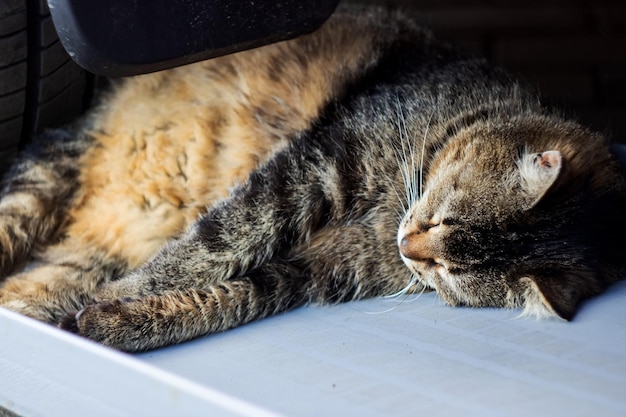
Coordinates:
[40,86]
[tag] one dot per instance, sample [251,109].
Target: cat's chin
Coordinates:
[533,303]
[422,278]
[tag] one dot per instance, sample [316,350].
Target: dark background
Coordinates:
[575,51]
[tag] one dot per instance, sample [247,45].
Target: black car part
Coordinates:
[126,37]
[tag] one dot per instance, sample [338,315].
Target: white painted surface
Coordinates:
[399,357]
[48,372]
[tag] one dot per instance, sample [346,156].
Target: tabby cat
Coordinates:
[367,158]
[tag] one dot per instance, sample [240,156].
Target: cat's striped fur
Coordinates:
[340,165]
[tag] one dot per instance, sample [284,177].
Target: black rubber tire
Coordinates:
[40,85]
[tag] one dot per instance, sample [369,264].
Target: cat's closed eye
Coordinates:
[451,221]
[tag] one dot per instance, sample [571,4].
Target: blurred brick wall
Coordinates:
[574,50]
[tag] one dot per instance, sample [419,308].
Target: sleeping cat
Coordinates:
[365,159]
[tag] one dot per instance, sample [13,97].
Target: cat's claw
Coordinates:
[115,324]
[89,321]
[70,322]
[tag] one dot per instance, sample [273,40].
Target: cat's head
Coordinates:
[525,213]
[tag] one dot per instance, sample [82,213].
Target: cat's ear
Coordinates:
[551,296]
[538,173]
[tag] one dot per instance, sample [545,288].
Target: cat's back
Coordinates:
[169,144]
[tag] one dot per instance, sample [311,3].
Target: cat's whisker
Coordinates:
[382,311]
[421,180]
[417,296]
[405,172]
[404,290]
[400,211]
[402,159]
[410,170]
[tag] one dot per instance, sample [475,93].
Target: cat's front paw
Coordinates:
[102,322]
[117,324]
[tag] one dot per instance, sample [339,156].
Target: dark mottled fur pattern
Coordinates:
[376,159]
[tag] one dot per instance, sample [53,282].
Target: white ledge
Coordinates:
[385,357]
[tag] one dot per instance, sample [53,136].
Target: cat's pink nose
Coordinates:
[409,246]
[417,246]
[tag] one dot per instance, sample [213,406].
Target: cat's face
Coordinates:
[482,235]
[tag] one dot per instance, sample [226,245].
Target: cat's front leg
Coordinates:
[263,216]
[182,263]
[174,317]
[206,254]
[278,208]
